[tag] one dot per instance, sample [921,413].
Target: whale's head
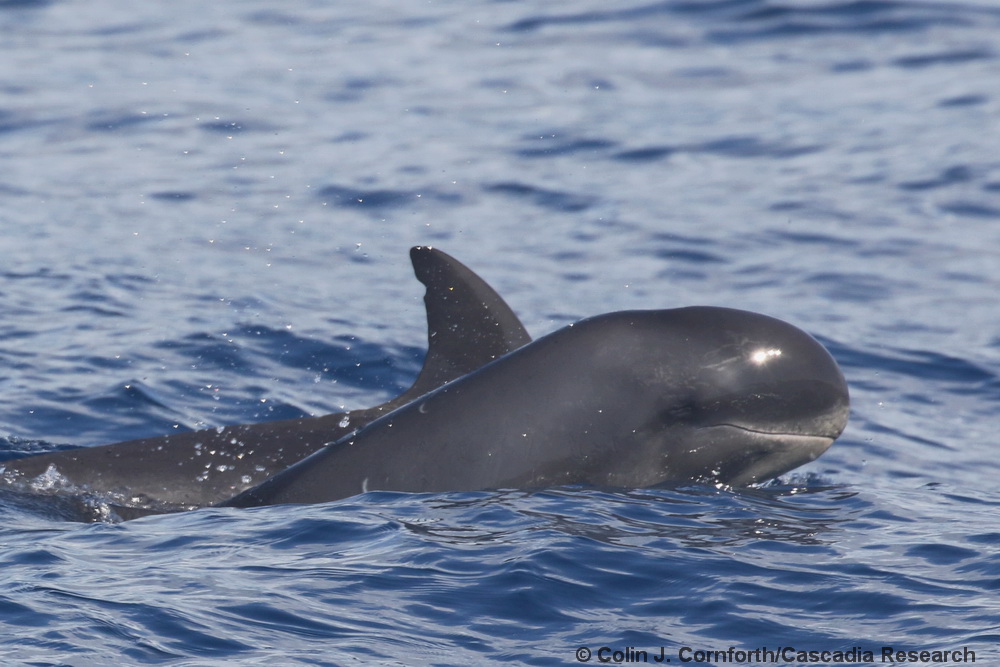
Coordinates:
[749,396]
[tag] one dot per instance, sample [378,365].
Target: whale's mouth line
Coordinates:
[804,437]
[767,454]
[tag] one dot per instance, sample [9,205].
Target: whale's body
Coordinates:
[629,399]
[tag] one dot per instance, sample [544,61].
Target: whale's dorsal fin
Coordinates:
[468,323]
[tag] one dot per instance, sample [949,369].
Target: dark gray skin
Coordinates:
[629,399]
[468,325]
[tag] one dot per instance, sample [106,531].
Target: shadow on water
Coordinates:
[687,516]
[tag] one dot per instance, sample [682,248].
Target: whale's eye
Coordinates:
[763,355]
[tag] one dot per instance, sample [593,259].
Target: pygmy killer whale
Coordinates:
[627,399]
[468,325]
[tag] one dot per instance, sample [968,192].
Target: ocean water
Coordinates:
[206,214]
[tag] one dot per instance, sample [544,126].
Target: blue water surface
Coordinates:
[206,213]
